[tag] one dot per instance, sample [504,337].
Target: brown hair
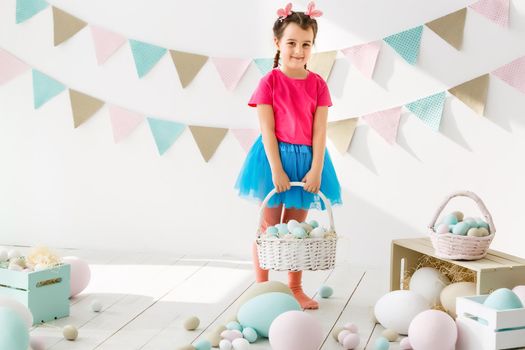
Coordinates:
[299,18]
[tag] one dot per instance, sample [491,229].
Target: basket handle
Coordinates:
[472,196]
[299,184]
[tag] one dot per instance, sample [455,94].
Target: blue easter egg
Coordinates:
[203,345]
[234,325]
[460,228]
[249,334]
[450,219]
[480,223]
[471,223]
[14,334]
[282,229]
[381,344]
[326,291]
[450,228]
[313,223]
[272,231]
[503,299]
[299,232]
[259,312]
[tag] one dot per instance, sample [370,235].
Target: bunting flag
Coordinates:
[406,43]
[341,133]
[364,57]
[145,55]
[513,74]
[495,10]
[123,122]
[429,109]
[450,27]
[25,9]
[44,88]
[322,63]
[473,93]
[65,25]
[106,43]
[10,67]
[264,64]
[208,139]
[187,65]
[165,133]
[385,123]
[83,106]
[246,137]
[231,70]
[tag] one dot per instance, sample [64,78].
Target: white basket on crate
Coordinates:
[297,254]
[458,247]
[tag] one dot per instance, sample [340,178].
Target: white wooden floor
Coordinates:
[146,297]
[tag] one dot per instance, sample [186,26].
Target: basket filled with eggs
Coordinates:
[458,238]
[296,246]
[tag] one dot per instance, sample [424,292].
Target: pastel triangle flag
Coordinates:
[208,139]
[406,43]
[65,25]
[83,106]
[187,65]
[123,122]
[10,67]
[473,93]
[495,10]
[165,133]
[106,43]
[450,27]
[364,57]
[341,133]
[513,74]
[25,9]
[322,63]
[429,109]
[145,55]
[44,88]
[385,123]
[264,64]
[231,70]
[246,137]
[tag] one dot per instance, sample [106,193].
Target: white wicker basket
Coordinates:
[457,247]
[297,254]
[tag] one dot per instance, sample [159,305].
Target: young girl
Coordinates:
[292,104]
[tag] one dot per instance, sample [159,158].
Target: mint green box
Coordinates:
[45,292]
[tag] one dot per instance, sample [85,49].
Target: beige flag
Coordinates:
[322,63]
[473,93]
[187,65]
[450,27]
[83,106]
[65,25]
[341,133]
[208,139]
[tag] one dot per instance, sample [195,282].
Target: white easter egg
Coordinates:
[442,228]
[225,344]
[317,232]
[15,267]
[13,253]
[395,310]
[240,344]
[3,255]
[428,282]
[292,224]
[96,305]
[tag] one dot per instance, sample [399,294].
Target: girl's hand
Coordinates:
[280,181]
[312,181]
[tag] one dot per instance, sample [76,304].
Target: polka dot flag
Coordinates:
[429,109]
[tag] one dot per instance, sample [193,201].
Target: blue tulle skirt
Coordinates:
[255,178]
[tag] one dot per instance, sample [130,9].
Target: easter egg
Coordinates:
[390,334]
[240,344]
[249,334]
[404,344]
[520,292]
[37,342]
[214,338]
[433,330]
[19,308]
[381,343]
[299,232]
[296,330]
[478,232]
[396,309]
[14,333]
[442,228]
[428,282]
[191,323]
[13,254]
[317,232]
[452,291]
[3,255]
[293,224]
[481,223]
[231,334]
[336,331]
[80,274]
[306,227]
[96,305]
[352,327]
[282,229]
[259,312]
[313,223]
[234,325]
[458,215]
[272,231]
[471,222]
[460,228]
[70,332]
[225,344]
[203,344]
[341,336]
[186,347]
[326,291]
[503,299]
[450,219]
[351,341]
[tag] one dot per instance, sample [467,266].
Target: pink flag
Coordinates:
[246,137]
[513,73]
[123,122]
[385,123]
[495,10]
[231,70]
[364,57]
[106,43]
[10,67]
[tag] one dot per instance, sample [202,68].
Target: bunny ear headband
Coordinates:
[311,11]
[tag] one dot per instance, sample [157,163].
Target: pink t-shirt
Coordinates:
[294,103]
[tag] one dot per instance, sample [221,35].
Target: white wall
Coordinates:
[68,187]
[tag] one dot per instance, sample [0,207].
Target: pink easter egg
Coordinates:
[351,341]
[342,335]
[404,344]
[37,342]
[433,330]
[80,274]
[442,228]
[520,292]
[295,330]
[352,327]
[231,334]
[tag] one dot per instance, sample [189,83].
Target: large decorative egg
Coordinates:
[452,291]
[296,330]
[520,292]
[433,330]
[395,310]
[80,274]
[503,299]
[259,312]
[19,308]
[428,282]
[14,333]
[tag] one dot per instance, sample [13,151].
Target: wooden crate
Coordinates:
[45,292]
[500,329]
[496,270]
